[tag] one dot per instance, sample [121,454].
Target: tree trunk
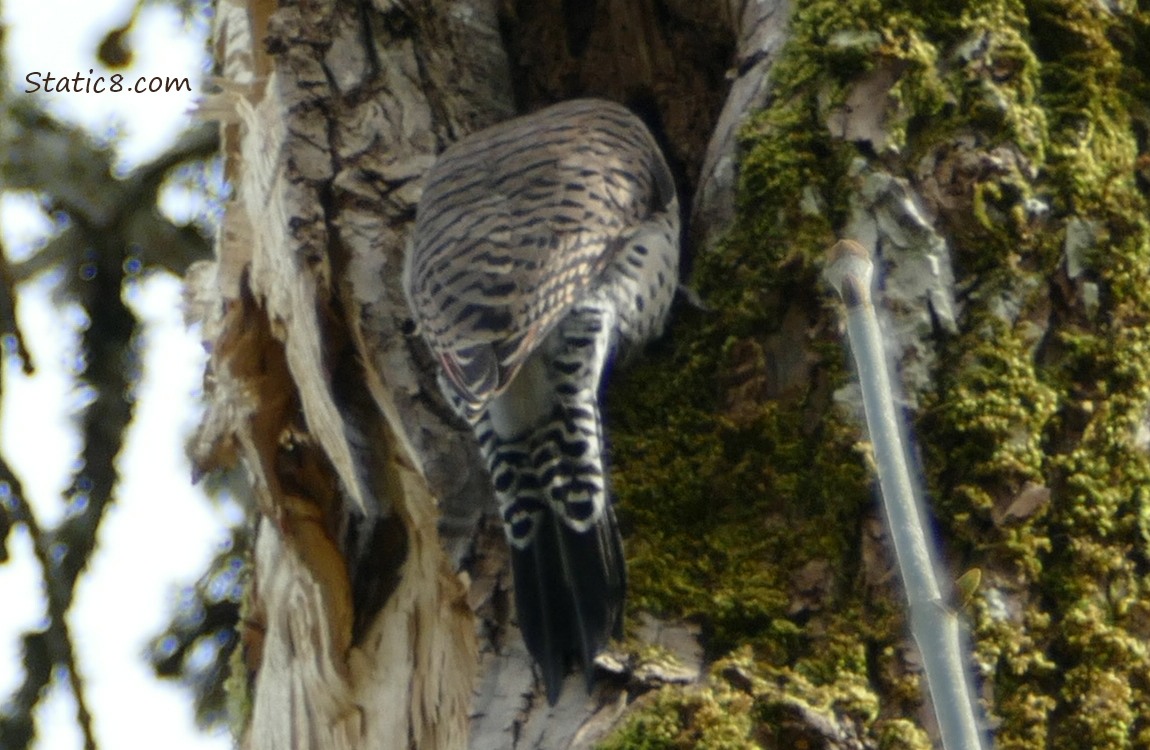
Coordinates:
[989,159]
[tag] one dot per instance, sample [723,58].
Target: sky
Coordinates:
[161,532]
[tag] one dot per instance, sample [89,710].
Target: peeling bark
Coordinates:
[380,613]
[332,113]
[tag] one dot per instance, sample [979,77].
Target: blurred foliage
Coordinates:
[196,645]
[109,232]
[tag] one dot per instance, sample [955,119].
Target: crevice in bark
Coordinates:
[668,62]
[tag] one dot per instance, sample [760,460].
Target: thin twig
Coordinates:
[8,311]
[63,647]
[934,624]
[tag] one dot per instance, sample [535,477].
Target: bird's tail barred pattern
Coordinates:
[566,549]
[541,247]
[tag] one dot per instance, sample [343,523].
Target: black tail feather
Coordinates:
[569,591]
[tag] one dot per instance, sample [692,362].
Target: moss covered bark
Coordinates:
[1022,127]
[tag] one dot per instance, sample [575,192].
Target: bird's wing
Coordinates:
[515,224]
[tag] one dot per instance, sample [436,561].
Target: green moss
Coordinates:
[985,426]
[733,478]
[714,717]
[1065,415]
[741,706]
[237,685]
[728,507]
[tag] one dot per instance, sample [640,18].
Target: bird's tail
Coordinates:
[566,550]
[569,590]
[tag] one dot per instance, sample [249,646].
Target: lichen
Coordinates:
[237,685]
[732,477]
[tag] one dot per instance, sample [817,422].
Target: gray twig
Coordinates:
[934,625]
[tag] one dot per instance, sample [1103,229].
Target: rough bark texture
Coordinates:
[989,158]
[353,603]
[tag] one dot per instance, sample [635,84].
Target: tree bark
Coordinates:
[1012,249]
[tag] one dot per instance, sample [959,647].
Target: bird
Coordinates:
[545,249]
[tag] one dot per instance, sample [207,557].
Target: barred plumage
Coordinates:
[543,247]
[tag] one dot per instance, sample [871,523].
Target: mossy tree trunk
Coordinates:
[994,157]
[988,155]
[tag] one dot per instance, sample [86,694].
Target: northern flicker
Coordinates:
[544,248]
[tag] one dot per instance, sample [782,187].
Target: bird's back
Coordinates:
[519,220]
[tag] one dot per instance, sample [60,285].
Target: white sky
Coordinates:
[161,532]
